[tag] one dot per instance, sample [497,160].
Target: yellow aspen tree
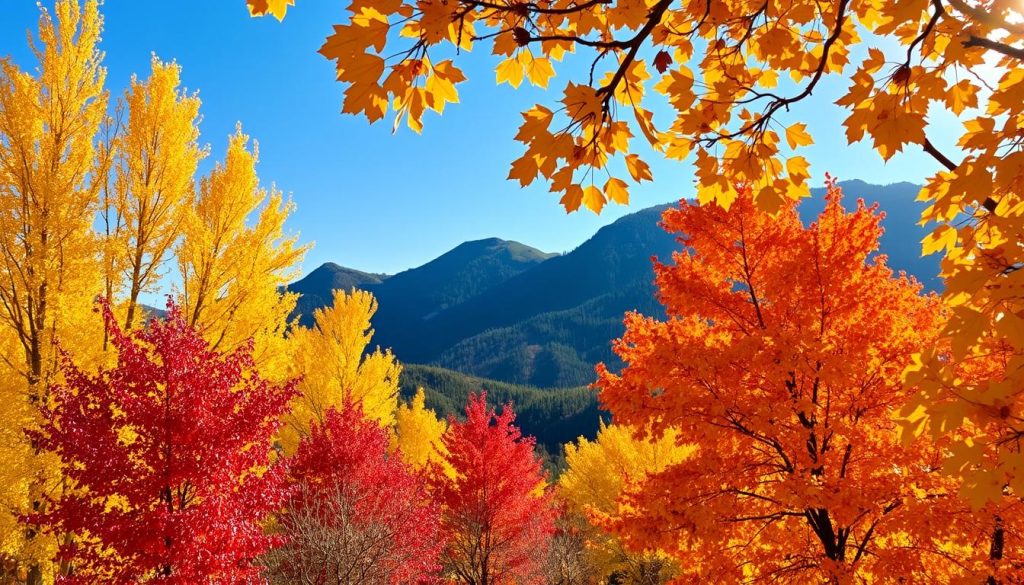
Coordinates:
[48,126]
[418,433]
[232,272]
[157,152]
[596,473]
[332,360]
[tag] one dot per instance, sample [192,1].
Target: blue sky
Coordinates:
[369,199]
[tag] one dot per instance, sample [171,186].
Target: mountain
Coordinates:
[316,288]
[503,310]
[464,272]
[420,293]
[411,300]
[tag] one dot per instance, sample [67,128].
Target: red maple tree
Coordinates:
[360,515]
[168,460]
[497,515]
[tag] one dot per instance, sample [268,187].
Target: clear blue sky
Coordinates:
[369,199]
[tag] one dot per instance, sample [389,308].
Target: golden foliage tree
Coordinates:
[332,359]
[780,363]
[596,475]
[48,124]
[232,272]
[64,163]
[157,152]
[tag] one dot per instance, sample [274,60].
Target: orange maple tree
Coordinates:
[780,362]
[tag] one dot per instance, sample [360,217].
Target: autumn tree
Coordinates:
[569,561]
[361,514]
[49,119]
[497,513]
[597,474]
[235,256]
[169,456]
[156,151]
[336,366]
[780,364]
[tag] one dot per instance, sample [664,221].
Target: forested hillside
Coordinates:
[554,416]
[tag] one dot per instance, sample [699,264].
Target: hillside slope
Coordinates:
[554,416]
[502,310]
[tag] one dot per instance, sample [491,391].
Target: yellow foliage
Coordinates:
[48,123]
[332,361]
[418,433]
[232,272]
[157,152]
[597,473]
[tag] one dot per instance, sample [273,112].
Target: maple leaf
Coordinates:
[662,61]
[796,135]
[638,169]
[277,8]
[617,190]
[593,198]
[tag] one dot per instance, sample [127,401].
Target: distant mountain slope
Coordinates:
[465,271]
[316,288]
[411,299]
[420,293]
[615,260]
[506,311]
[554,416]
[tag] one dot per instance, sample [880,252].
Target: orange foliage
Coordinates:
[781,363]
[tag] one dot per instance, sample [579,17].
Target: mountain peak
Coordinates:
[473,249]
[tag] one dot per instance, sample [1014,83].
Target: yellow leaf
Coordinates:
[439,92]
[943,238]
[538,71]
[593,198]
[767,78]
[572,198]
[796,135]
[277,8]
[797,166]
[524,169]
[961,96]
[638,169]
[510,70]
[616,190]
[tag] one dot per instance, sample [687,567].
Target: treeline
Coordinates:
[554,416]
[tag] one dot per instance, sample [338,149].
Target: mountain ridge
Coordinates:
[501,309]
